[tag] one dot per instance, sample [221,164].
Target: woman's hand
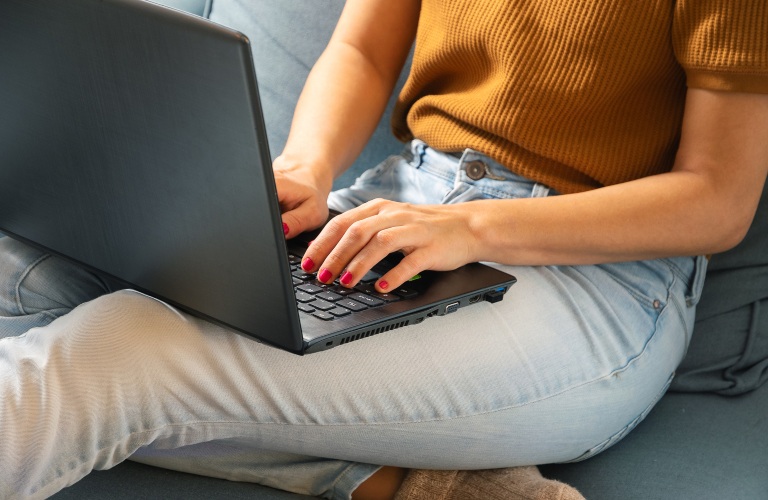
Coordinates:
[302,193]
[432,237]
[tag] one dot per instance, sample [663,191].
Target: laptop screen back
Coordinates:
[132,140]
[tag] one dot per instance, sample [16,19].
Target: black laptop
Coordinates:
[132,141]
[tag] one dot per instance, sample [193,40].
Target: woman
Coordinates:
[556,139]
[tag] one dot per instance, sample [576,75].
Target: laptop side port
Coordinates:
[452,307]
[475,298]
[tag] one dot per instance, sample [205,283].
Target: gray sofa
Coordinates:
[693,445]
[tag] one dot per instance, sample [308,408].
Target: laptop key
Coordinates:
[351,304]
[342,291]
[370,289]
[370,277]
[329,296]
[309,288]
[302,275]
[294,259]
[306,308]
[366,299]
[304,297]
[339,312]
[323,315]
[322,305]
[405,292]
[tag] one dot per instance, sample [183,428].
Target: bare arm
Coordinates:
[343,99]
[704,205]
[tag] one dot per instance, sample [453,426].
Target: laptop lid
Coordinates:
[120,120]
[132,141]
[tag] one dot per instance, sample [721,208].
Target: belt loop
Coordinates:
[697,283]
[539,191]
[417,150]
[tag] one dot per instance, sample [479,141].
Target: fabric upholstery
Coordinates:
[283,61]
[729,349]
[692,446]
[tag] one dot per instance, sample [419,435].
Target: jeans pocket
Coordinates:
[649,282]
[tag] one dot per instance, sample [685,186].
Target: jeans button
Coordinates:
[475,170]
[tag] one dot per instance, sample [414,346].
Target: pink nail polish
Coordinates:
[346,278]
[383,285]
[324,275]
[285,228]
[307,264]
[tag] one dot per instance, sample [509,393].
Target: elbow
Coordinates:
[730,234]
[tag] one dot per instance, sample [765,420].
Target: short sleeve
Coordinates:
[723,44]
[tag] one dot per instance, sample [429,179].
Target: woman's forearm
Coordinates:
[347,90]
[665,215]
[704,205]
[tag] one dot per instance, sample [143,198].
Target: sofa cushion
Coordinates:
[729,348]
[690,447]
[198,7]
[283,60]
[131,480]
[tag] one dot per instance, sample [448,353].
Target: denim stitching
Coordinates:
[618,436]
[21,279]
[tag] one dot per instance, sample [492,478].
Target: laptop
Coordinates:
[132,141]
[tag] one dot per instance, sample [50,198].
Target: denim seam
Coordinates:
[648,301]
[676,269]
[23,276]
[489,191]
[597,379]
[334,489]
[643,299]
[621,433]
[681,315]
[371,424]
[426,167]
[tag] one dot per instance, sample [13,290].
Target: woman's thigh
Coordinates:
[566,364]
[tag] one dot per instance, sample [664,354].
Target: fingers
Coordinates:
[346,236]
[304,206]
[306,216]
[354,242]
[410,266]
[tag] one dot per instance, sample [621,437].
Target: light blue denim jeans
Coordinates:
[568,363]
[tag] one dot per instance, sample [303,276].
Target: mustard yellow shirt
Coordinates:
[575,94]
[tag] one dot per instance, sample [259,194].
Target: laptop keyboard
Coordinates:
[332,301]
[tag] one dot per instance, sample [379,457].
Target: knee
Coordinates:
[116,335]
[128,321]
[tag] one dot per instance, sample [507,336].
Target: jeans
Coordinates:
[566,365]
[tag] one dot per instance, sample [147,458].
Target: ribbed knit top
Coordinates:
[575,94]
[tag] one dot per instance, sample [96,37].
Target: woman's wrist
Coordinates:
[315,173]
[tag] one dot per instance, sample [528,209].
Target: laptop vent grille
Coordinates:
[370,333]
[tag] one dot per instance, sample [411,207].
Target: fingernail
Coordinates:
[285,228]
[346,278]
[307,264]
[324,275]
[383,285]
